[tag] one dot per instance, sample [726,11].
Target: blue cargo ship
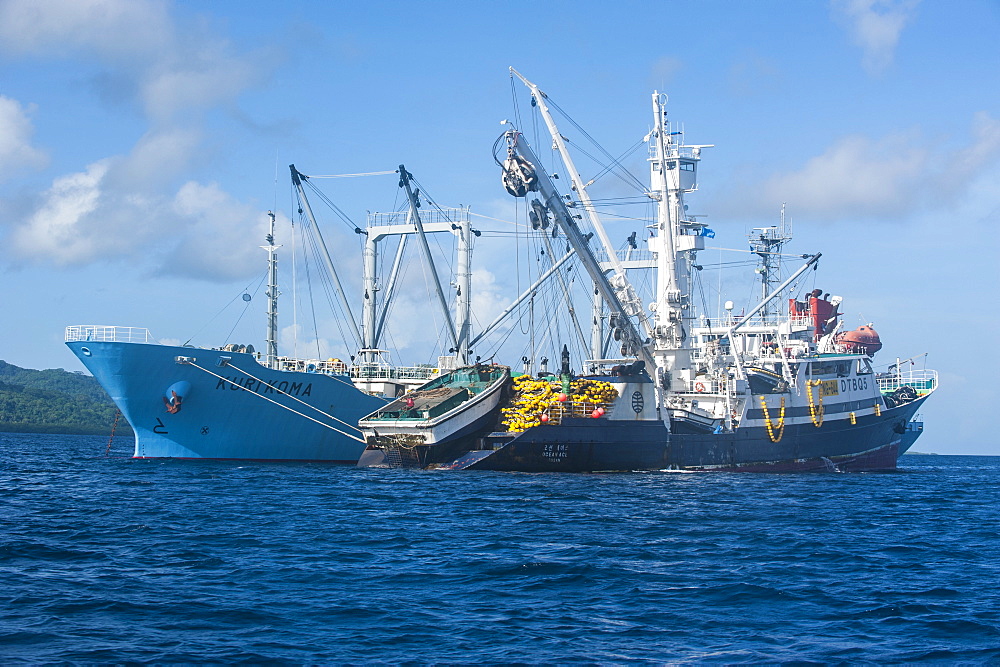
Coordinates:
[236,403]
[185,402]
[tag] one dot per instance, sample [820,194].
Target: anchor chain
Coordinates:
[114,427]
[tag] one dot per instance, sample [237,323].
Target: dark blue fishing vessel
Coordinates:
[781,387]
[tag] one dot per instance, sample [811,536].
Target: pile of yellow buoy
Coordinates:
[538,401]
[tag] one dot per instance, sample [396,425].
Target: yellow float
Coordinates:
[533,397]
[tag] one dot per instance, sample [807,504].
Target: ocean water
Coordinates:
[108,559]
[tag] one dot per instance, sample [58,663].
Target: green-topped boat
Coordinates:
[430,424]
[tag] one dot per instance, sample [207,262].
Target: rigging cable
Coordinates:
[329,202]
[212,319]
[290,409]
[617,162]
[630,180]
[296,398]
[246,304]
[370,173]
[312,303]
[513,97]
[635,181]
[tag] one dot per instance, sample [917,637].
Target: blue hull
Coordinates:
[272,416]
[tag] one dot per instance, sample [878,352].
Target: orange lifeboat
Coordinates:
[863,339]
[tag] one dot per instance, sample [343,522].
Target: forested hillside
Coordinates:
[54,401]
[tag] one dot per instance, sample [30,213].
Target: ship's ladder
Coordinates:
[393,458]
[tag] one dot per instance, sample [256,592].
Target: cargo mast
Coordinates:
[673,172]
[271,342]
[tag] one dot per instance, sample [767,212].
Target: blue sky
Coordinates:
[142,142]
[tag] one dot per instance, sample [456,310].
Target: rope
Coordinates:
[271,400]
[486,217]
[370,173]
[346,219]
[223,309]
[114,427]
[625,175]
[767,420]
[246,305]
[299,400]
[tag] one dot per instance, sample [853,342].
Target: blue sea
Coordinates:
[112,560]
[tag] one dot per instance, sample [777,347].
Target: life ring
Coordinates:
[699,387]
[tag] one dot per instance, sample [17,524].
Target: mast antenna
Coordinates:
[767,243]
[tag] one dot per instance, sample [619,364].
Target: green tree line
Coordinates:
[54,401]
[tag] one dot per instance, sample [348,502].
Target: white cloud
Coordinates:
[292,342]
[982,152]
[133,205]
[860,177]
[875,26]
[198,80]
[113,29]
[415,319]
[168,68]
[56,229]
[220,236]
[16,151]
[488,297]
[856,176]
[663,71]
[157,158]
[199,232]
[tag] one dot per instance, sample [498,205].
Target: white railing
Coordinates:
[720,324]
[380,372]
[759,321]
[633,254]
[357,372]
[923,381]
[325,366]
[101,333]
[428,216]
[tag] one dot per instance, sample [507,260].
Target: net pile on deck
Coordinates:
[538,401]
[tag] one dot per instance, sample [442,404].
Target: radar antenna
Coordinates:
[767,243]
